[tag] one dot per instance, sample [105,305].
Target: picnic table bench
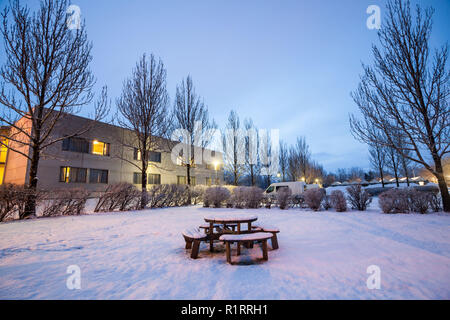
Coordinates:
[245,238]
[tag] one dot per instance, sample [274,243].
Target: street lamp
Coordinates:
[216,165]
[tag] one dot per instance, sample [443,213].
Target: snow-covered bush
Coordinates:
[435,202]
[254,196]
[238,197]
[197,193]
[338,201]
[246,197]
[326,202]
[120,196]
[358,197]
[216,196]
[284,198]
[313,198]
[64,202]
[168,195]
[394,201]
[12,201]
[419,201]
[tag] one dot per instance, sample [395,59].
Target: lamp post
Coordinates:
[216,165]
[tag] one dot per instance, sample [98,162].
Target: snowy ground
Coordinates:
[141,255]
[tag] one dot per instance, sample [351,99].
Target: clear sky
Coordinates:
[289,65]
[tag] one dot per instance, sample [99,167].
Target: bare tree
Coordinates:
[393,163]
[45,76]
[252,161]
[144,109]
[377,158]
[234,148]
[283,160]
[299,159]
[407,92]
[191,115]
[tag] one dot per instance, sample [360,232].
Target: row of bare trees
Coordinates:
[404,97]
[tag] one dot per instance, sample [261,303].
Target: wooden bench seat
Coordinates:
[219,227]
[194,236]
[247,238]
[273,230]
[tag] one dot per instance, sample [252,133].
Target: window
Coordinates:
[193,181]
[137,154]
[100,148]
[72,174]
[181,180]
[75,145]
[217,182]
[208,181]
[137,178]
[98,176]
[154,156]
[154,178]
[3,150]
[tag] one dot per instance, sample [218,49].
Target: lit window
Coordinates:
[3,150]
[181,179]
[71,174]
[208,181]
[100,148]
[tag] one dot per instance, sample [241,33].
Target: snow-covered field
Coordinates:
[141,255]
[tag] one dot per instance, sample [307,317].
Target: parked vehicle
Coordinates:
[297,187]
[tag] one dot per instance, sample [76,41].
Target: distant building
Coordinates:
[98,158]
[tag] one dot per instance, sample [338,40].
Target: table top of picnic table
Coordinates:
[231,218]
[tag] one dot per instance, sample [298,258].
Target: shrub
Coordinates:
[374,192]
[168,195]
[338,201]
[284,197]
[326,202]
[254,196]
[65,202]
[197,193]
[12,201]
[435,202]
[358,197]
[419,201]
[313,198]
[216,196]
[238,197]
[394,201]
[120,196]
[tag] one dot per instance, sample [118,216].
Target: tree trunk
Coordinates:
[144,189]
[382,177]
[30,201]
[188,178]
[442,184]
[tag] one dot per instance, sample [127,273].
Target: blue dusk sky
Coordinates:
[289,65]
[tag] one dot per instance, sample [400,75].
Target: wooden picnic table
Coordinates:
[227,220]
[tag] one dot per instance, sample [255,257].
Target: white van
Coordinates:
[297,187]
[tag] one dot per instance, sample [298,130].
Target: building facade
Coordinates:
[103,155]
